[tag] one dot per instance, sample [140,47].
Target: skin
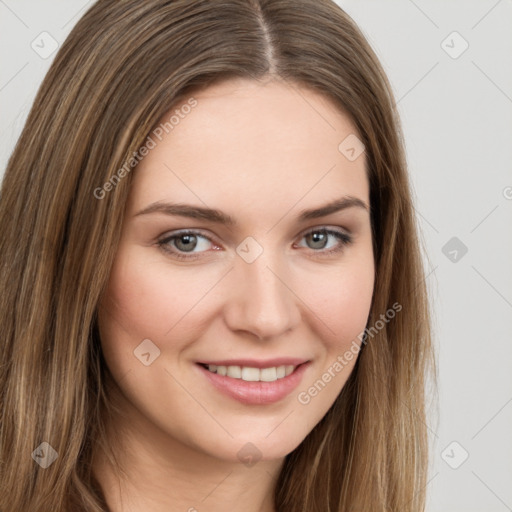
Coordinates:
[262,153]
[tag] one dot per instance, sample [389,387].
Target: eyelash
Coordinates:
[343,238]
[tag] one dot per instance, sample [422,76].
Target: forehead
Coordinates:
[252,143]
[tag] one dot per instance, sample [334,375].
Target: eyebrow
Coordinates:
[219,217]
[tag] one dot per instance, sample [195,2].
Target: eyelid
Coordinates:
[325,227]
[185,231]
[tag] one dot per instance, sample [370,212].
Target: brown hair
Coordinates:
[124,65]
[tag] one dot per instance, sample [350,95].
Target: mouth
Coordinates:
[255,382]
[252,374]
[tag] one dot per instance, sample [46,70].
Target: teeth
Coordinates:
[249,374]
[235,372]
[268,374]
[253,374]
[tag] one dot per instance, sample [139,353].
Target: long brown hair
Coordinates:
[124,65]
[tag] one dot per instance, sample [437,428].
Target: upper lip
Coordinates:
[258,363]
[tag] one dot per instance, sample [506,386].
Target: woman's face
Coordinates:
[283,287]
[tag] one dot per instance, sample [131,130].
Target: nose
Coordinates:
[262,301]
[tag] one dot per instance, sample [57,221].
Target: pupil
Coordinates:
[190,241]
[318,237]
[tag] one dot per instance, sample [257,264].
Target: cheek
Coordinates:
[347,312]
[342,303]
[148,299]
[341,300]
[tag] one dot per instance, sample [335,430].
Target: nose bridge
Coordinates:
[263,302]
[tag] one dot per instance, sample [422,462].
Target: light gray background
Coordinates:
[457,118]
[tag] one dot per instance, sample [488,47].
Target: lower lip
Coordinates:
[256,393]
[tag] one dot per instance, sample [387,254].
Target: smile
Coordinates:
[250,374]
[255,382]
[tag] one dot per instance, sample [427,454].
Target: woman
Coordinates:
[213,295]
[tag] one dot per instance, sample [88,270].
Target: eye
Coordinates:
[318,239]
[183,244]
